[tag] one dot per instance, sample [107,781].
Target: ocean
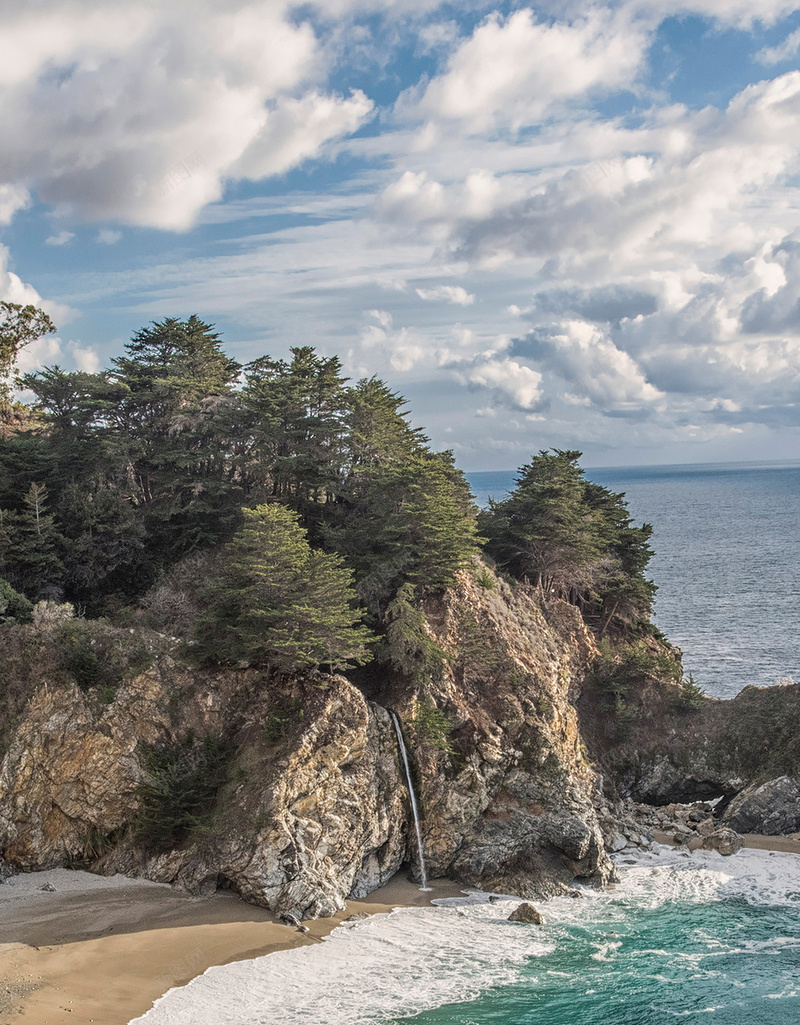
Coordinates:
[695,938]
[726,538]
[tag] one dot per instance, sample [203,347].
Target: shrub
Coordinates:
[279,723]
[14,607]
[178,797]
[433,726]
[51,613]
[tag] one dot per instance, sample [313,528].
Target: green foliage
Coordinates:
[19,325]
[407,645]
[433,727]
[178,797]
[14,607]
[615,672]
[282,721]
[94,654]
[483,578]
[276,602]
[691,695]
[574,540]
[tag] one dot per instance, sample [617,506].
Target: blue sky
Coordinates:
[572,225]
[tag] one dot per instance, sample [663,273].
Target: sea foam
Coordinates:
[416,959]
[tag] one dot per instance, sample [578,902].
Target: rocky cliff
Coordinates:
[310,804]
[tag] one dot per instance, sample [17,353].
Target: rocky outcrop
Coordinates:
[298,827]
[527,914]
[314,806]
[771,808]
[512,805]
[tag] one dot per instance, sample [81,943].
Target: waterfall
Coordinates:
[411,794]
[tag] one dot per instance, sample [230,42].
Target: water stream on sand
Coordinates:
[401,744]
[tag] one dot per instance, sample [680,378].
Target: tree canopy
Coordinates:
[573,539]
[274,601]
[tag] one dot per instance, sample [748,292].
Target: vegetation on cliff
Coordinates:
[277,514]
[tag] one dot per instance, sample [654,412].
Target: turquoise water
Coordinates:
[727,562]
[694,938]
[725,963]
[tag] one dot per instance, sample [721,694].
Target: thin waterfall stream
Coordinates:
[404,755]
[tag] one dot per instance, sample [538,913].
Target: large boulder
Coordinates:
[724,841]
[771,808]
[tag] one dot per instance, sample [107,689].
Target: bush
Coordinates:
[279,723]
[179,796]
[14,607]
[95,654]
[51,613]
[433,726]
[616,672]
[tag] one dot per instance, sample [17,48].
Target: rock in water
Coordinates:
[526,913]
[723,840]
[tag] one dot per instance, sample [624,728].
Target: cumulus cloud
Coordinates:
[512,70]
[141,113]
[592,367]
[108,237]
[513,383]
[454,294]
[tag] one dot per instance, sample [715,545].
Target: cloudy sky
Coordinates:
[569,224]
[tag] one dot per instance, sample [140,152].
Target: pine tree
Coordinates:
[276,602]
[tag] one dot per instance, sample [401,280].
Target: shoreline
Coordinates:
[104,955]
[105,952]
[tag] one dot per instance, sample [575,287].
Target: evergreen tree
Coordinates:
[276,602]
[171,431]
[573,539]
[30,546]
[294,414]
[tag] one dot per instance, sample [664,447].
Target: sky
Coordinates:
[569,225]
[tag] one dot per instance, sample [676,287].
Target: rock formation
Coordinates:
[314,807]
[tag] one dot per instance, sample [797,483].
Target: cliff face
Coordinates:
[313,805]
[512,808]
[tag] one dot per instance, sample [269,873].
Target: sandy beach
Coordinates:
[103,955]
[101,951]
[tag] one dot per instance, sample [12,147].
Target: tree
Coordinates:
[276,602]
[30,546]
[19,325]
[171,430]
[573,539]
[14,607]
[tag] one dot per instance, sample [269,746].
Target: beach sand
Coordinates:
[103,955]
[102,951]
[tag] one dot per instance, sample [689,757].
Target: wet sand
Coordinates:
[104,956]
[780,844]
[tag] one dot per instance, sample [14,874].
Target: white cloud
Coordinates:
[108,237]
[784,51]
[594,369]
[63,238]
[13,198]
[141,114]
[513,70]
[13,289]
[454,294]
[512,382]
